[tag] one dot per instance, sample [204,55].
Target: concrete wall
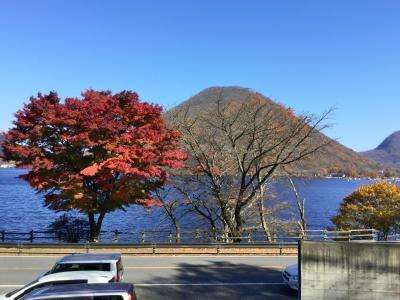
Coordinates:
[349,270]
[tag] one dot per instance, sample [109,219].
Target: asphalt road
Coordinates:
[181,277]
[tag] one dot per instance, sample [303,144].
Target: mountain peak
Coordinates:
[388,152]
[391,143]
[225,94]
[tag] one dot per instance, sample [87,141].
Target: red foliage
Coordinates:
[95,154]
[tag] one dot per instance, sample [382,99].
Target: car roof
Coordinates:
[89,257]
[76,290]
[75,275]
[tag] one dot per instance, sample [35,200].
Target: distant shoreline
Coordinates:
[345,178]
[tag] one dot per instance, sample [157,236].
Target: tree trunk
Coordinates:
[177,233]
[177,228]
[229,224]
[95,226]
[265,227]
[301,209]
[226,233]
[238,230]
[92,227]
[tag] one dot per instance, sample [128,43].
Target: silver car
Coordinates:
[290,276]
[107,262]
[109,291]
[60,279]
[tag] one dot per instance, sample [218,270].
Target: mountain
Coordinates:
[335,158]
[1,142]
[388,152]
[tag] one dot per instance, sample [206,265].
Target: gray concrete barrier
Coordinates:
[349,270]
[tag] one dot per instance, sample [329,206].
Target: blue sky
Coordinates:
[309,55]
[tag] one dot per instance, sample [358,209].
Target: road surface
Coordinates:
[180,277]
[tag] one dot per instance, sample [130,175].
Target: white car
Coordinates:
[108,262]
[60,279]
[100,291]
[290,276]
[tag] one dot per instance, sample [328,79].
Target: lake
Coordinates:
[21,208]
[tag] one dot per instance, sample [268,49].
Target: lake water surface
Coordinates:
[21,208]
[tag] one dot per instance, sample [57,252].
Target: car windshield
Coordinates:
[20,289]
[69,267]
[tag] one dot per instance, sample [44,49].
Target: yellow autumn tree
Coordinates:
[371,206]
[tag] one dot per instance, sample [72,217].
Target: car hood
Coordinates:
[293,269]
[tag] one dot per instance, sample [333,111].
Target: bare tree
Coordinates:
[235,147]
[174,207]
[300,205]
[196,197]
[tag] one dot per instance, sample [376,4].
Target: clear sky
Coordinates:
[309,55]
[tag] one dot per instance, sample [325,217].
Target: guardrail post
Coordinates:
[3,236]
[325,235]
[116,236]
[170,238]
[196,234]
[143,236]
[375,235]
[249,238]
[31,236]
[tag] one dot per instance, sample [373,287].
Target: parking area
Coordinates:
[177,277]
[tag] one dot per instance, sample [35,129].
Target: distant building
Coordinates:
[4,165]
[337,175]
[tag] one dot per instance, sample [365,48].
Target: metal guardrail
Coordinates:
[150,248]
[193,236]
[394,237]
[142,245]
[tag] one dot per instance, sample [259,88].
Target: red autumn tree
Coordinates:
[96,154]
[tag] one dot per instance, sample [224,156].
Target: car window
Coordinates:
[50,283]
[70,267]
